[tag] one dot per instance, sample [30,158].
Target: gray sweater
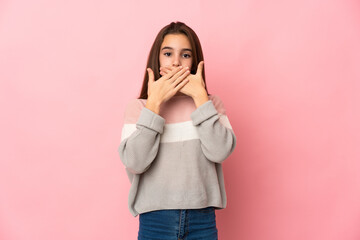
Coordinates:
[174,159]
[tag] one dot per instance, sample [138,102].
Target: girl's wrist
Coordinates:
[200,98]
[153,105]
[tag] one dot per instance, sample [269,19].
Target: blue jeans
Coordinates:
[175,224]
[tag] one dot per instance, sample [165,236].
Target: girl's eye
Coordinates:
[167,54]
[187,55]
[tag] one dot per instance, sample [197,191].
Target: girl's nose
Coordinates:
[176,62]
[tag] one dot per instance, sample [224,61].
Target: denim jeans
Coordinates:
[175,224]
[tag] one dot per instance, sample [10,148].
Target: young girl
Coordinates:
[174,139]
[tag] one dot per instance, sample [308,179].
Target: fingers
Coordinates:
[165,70]
[171,73]
[200,68]
[181,78]
[182,73]
[151,75]
[180,85]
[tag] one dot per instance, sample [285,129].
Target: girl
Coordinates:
[174,139]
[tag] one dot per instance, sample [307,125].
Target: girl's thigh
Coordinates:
[202,224]
[159,225]
[190,224]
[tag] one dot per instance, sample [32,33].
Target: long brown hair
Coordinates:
[153,58]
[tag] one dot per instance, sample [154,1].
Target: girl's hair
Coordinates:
[153,58]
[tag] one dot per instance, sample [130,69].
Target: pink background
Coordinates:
[287,71]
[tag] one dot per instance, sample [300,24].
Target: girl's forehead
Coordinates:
[176,41]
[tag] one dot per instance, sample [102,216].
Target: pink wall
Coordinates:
[288,74]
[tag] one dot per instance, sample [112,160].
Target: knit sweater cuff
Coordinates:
[203,112]
[151,120]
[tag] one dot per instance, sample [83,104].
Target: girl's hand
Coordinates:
[165,87]
[196,85]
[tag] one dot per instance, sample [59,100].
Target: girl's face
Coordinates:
[175,51]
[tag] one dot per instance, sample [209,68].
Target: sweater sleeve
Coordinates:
[216,135]
[140,138]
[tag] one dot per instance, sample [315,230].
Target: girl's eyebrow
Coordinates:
[170,48]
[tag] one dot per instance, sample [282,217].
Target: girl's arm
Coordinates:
[216,135]
[140,137]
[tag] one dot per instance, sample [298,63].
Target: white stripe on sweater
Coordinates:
[174,132]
